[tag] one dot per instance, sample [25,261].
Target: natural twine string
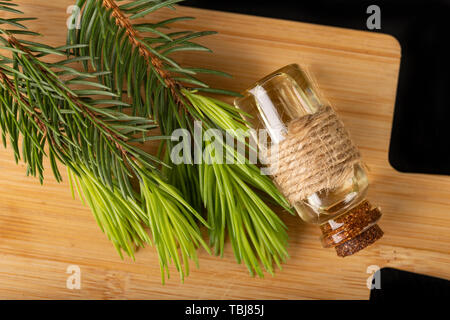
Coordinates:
[317,154]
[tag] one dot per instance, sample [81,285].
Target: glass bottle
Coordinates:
[346,219]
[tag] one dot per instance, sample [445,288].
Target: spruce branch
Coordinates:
[123,22]
[87,129]
[112,136]
[138,56]
[101,125]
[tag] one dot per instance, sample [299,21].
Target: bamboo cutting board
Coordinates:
[43,230]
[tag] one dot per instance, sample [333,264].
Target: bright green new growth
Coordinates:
[161,209]
[119,218]
[255,231]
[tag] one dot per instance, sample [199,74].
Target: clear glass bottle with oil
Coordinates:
[346,219]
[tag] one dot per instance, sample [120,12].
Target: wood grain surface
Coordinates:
[43,230]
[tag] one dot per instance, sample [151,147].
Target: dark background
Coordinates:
[421,129]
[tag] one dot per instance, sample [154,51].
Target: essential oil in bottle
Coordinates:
[314,144]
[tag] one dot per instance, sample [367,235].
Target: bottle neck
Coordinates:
[352,231]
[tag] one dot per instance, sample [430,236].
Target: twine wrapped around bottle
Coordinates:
[317,154]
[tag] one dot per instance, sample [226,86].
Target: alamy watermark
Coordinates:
[74,20]
[374,280]
[215,146]
[73,281]
[374,20]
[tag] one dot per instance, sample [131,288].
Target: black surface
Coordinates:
[407,286]
[421,128]
[177,309]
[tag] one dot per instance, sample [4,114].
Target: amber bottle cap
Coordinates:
[352,231]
